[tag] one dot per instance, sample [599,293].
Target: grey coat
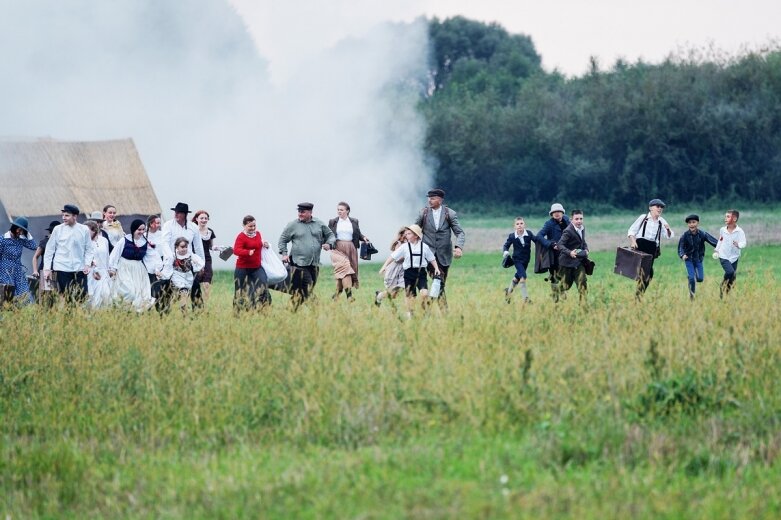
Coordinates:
[570,239]
[439,239]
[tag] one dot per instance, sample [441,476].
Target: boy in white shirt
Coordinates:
[416,257]
[732,240]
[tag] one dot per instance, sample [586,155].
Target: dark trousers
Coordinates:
[646,246]
[576,275]
[695,273]
[250,288]
[73,286]
[302,282]
[730,273]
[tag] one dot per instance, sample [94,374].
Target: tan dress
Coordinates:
[347,249]
[342,264]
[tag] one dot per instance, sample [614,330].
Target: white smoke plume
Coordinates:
[243,108]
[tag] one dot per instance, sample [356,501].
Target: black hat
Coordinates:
[70,208]
[181,207]
[692,217]
[305,206]
[436,192]
[53,224]
[656,202]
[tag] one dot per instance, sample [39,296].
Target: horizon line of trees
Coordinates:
[691,129]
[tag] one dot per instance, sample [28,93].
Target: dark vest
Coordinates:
[132,252]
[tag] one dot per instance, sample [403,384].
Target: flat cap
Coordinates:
[436,192]
[692,217]
[656,202]
[305,206]
[70,208]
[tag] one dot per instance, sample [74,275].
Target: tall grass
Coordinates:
[612,408]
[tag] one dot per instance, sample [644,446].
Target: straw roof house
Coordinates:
[39,176]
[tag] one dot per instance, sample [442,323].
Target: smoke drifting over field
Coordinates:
[222,120]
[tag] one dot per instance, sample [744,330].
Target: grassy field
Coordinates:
[664,408]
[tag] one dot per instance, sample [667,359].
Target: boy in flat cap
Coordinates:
[306,236]
[68,256]
[438,222]
[645,234]
[691,249]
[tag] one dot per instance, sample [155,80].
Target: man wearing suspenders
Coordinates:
[645,235]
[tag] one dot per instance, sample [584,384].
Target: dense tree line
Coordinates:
[691,129]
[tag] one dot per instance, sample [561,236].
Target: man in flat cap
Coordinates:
[68,256]
[180,226]
[306,236]
[645,235]
[691,249]
[438,222]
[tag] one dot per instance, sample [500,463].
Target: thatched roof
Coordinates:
[38,176]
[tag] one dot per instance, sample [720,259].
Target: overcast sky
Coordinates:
[565,32]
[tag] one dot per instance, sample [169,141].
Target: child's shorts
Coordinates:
[520,270]
[414,279]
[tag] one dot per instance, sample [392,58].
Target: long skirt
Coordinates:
[348,249]
[131,285]
[99,290]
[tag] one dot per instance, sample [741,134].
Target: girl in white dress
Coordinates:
[127,265]
[98,280]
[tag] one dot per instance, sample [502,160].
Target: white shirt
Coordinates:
[651,228]
[436,214]
[344,229]
[69,249]
[156,263]
[403,252]
[520,237]
[179,279]
[725,248]
[172,230]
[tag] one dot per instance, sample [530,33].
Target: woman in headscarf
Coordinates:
[98,280]
[12,273]
[127,265]
[345,259]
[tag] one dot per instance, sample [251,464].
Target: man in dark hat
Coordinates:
[691,249]
[180,226]
[438,222]
[68,256]
[306,236]
[645,235]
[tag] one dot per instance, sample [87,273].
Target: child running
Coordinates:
[416,257]
[181,269]
[521,242]
[691,249]
[394,275]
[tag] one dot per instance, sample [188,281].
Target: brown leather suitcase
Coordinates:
[631,262]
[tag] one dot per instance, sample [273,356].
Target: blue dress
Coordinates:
[11,270]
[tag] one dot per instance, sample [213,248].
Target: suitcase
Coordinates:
[631,262]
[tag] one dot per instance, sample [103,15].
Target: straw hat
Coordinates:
[416,229]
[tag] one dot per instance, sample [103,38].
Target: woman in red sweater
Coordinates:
[249,278]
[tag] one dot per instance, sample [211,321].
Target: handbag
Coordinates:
[588,266]
[275,270]
[367,250]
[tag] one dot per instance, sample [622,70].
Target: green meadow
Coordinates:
[611,409]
